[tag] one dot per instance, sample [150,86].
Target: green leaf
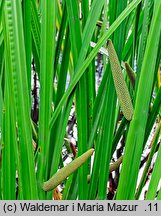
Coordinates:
[47,50]
[15,42]
[135,138]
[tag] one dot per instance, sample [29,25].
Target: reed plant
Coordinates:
[48,67]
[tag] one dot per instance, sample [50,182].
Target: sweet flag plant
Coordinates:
[51,56]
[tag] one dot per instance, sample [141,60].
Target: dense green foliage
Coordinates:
[51,40]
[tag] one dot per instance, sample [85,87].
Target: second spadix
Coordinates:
[66,171]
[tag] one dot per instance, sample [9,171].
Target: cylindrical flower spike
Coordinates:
[119,82]
[66,171]
[130,73]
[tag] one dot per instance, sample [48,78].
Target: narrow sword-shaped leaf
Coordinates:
[13,20]
[26,5]
[155,178]
[135,138]
[145,173]
[47,49]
